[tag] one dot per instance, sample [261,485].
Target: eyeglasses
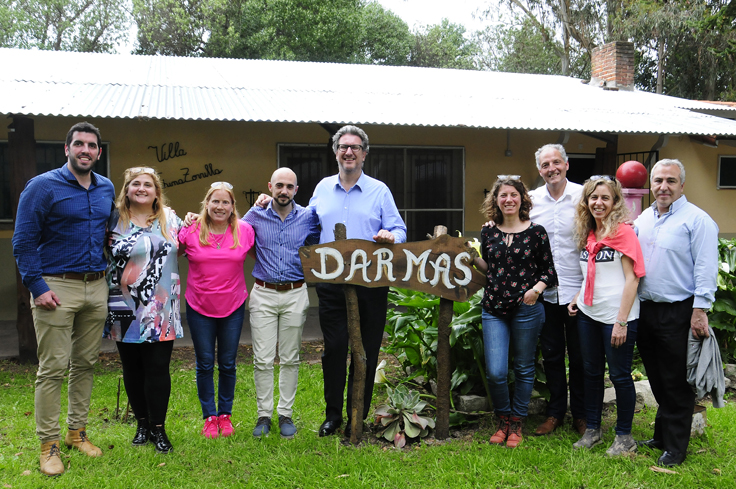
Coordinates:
[344,147]
[142,169]
[508,177]
[222,184]
[609,178]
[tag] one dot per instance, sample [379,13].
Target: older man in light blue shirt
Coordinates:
[367,208]
[680,246]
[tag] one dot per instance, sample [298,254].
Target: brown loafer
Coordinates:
[579,425]
[548,426]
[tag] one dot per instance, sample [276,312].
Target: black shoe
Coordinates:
[671,459]
[142,434]
[329,427]
[651,443]
[160,440]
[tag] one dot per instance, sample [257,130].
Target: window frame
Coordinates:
[720,164]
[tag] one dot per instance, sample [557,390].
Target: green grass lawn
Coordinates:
[312,462]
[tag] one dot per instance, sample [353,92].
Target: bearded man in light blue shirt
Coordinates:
[679,242]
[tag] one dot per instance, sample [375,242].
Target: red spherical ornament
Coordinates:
[632,174]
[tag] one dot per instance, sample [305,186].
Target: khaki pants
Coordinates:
[277,317]
[68,336]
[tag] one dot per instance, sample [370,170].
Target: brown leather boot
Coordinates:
[51,463]
[78,439]
[548,426]
[515,436]
[499,437]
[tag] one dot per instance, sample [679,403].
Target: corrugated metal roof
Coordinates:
[160,87]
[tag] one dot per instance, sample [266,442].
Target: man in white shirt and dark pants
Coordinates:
[554,208]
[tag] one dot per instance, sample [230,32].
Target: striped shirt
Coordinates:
[278,242]
[60,227]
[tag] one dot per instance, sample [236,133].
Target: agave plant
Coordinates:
[400,419]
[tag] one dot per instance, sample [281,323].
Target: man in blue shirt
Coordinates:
[679,242]
[367,208]
[279,301]
[58,244]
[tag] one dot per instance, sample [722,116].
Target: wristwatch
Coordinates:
[622,323]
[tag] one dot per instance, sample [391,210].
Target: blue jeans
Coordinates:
[521,329]
[595,344]
[205,331]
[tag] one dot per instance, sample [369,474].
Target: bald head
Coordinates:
[283,188]
[285,173]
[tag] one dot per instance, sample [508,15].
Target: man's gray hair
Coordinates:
[670,162]
[544,148]
[355,131]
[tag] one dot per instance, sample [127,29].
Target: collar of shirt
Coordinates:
[69,176]
[358,184]
[678,204]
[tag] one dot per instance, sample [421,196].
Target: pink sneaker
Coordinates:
[226,426]
[210,427]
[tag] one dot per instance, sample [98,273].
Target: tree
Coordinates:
[64,25]
[346,31]
[443,46]
[519,47]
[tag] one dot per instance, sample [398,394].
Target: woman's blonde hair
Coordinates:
[204,219]
[159,203]
[584,220]
[490,209]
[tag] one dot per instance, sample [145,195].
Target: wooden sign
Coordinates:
[439,266]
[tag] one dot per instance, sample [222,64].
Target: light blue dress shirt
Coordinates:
[680,251]
[366,209]
[278,242]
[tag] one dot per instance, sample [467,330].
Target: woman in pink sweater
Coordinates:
[216,246]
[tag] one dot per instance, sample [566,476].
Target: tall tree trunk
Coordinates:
[22,152]
[660,65]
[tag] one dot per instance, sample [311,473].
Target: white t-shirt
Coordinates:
[609,287]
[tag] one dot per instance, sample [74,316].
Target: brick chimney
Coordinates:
[613,66]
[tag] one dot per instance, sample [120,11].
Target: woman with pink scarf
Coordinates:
[607,307]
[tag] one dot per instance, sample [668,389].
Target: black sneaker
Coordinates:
[263,426]
[286,425]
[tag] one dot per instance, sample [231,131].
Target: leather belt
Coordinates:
[84,277]
[282,286]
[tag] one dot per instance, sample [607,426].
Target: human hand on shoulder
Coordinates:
[190,219]
[263,200]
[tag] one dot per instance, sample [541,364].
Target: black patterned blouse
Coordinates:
[514,269]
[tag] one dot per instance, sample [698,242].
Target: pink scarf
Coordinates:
[625,241]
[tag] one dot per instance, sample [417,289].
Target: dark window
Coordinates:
[427,183]
[727,172]
[48,157]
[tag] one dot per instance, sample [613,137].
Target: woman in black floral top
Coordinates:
[517,260]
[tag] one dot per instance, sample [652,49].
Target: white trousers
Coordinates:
[277,317]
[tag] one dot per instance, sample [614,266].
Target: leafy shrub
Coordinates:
[722,316]
[412,330]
